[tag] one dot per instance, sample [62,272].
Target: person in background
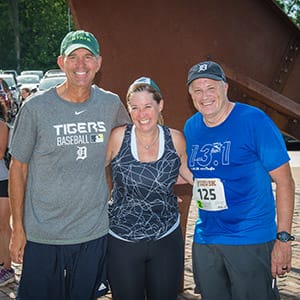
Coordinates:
[235,151]
[7,274]
[4,101]
[57,185]
[145,248]
[25,93]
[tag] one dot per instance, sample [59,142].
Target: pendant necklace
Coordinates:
[148,146]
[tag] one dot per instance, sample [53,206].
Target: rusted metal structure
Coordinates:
[253,40]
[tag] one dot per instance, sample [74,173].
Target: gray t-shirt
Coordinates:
[64,145]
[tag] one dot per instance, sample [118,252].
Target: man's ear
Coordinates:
[99,60]
[60,62]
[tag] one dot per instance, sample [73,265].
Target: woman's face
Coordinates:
[144,110]
[24,94]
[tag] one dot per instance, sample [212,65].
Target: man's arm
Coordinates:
[285,197]
[17,187]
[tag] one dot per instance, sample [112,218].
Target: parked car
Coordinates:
[52,81]
[13,72]
[30,81]
[40,73]
[13,87]
[7,97]
[5,93]
[54,72]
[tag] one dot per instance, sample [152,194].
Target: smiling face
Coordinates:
[209,97]
[80,67]
[144,110]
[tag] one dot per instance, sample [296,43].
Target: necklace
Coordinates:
[148,146]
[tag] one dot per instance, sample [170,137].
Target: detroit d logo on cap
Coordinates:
[202,68]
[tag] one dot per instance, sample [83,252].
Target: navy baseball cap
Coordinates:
[206,69]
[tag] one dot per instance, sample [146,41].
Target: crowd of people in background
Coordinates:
[91,190]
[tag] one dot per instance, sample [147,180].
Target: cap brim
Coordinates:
[210,76]
[74,47]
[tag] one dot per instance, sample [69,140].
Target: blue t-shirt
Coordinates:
[240,152]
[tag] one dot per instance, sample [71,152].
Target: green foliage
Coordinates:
[6,40]
[42,25]
[292,9]
[31,31]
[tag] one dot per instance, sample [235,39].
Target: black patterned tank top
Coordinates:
[144,206]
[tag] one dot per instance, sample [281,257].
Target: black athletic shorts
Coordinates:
[62,272]
[4,188]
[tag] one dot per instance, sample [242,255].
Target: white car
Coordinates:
[40,73]
[54,73]
[29,81]
[52,81]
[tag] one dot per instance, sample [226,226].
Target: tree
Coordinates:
[292,9]
[31,31]
[40,25]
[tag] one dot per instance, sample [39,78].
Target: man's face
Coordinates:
[80,67]
[209,96]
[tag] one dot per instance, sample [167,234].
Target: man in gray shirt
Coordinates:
[58,189]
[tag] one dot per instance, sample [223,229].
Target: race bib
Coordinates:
[209,194]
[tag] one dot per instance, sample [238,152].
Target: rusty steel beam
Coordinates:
[263,93]
[283,110]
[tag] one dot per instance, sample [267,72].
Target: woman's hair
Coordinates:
[27,90]
[141,87]
[3,111]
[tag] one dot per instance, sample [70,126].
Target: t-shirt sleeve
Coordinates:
[23,136]
[270,145]
[122,116]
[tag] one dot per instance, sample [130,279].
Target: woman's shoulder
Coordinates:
[175,133]
[120,130]
[178,139]
[3,123]
[117,135]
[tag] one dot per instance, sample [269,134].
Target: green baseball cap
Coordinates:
[79,39]
[146,80]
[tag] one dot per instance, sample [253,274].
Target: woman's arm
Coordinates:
[3,138]
[180,146]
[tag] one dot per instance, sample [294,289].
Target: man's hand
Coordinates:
[17,245]
[281,258]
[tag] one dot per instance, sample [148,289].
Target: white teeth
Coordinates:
[80,73]
[144,121]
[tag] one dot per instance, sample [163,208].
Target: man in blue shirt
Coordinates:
[235,151]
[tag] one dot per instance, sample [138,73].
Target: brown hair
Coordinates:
[3,111]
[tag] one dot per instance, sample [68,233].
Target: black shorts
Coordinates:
[52,272]
[4,188]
